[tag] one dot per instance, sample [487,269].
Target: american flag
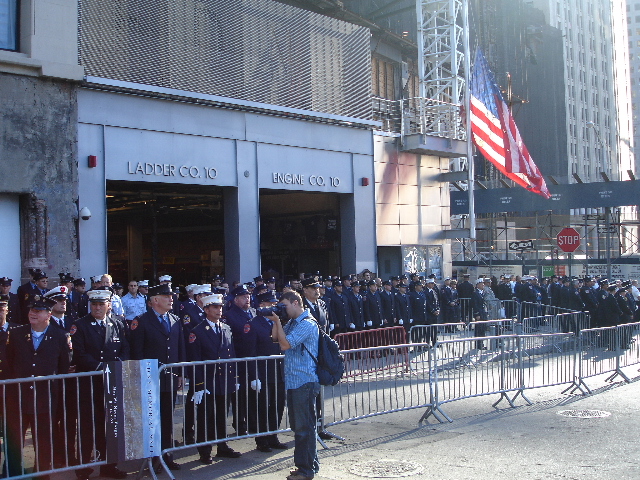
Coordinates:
[495,134]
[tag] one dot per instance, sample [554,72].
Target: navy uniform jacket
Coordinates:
[610,312]
[433,305]
[626,312]
[465,289]
[403,303]
[79,303]
[52,358]
[356,305]
[93,344]
[14,309]
[478,306]
[389,307]
[574,300]
[205,344]
[419,308]
[236,319]
[191,315]
[340,310]
[148,340]
[373,308]
[319,312]
[4,334]
[258,343]
[589,299]
[555,294]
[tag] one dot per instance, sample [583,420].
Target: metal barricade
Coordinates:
[368,361]
[519,362]
[597,354]
[199,395]
[629,342]
[381,391]
[64,416]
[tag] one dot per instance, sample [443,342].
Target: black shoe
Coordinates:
[206,459]
[111,471]
[228,453]
[324,435]
[171,465]
[279,446]
[264,448]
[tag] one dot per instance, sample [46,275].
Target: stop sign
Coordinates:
[568,239]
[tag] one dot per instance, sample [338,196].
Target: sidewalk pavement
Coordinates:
[527,442]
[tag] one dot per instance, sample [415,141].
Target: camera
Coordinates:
[279,310]
[85,213]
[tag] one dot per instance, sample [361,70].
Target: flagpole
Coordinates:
[467,106]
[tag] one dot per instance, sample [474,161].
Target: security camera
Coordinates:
[85,213]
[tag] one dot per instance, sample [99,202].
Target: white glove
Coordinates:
[256,385]
[369,323]
[411,320]
[400,322]
[237,387]
[197,396]
[352,326]
[331,327]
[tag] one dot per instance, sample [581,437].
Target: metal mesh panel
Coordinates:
[255,50]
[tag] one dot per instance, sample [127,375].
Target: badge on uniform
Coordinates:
[192,337]
[247,327]
[73,329]
[186,319]
[69,342]
[134,324]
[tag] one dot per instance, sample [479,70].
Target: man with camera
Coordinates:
[299,341]
[267,395]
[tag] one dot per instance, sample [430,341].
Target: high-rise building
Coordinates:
[597,89]
[633,33]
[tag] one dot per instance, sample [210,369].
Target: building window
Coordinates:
[9,24]
[383,79]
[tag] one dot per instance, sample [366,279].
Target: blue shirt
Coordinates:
[37,337]
[299,367]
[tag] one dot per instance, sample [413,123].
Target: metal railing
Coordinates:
[52,424]
[426,116]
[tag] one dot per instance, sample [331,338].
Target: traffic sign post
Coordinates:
[568,241]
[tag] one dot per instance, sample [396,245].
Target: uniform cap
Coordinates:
[38,275]
[79,281]
[59,292]
[143,283]
[200,289]
[65,277]
[213,299]
[190,287]
[268,296]
[239,290]
[39,302]
[310,283]
[165,278]
[5,281]
[4,299]
[480,280]
[99,295]
[96,278]
[160,290]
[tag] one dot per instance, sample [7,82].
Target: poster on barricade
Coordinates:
[132,393]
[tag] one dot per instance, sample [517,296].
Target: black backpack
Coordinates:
[330,361]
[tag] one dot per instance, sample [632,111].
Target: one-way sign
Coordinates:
[521,245]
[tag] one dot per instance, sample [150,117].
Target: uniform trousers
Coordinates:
[211,422]
[265,411]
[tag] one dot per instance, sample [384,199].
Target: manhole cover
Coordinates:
[584,413]
[386,469]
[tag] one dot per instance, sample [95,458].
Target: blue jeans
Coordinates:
[302,418]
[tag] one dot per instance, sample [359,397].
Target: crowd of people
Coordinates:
[72,328]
